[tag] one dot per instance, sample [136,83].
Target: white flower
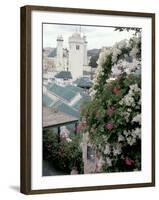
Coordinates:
[109,80]
[122,44]
[92,92]
[126,115]
[134,52]
[137,118]
[116,53]
[128,100]
[124,66]
[99,71]
[117,150]
[107,149]
[116,71]
[129,110]
[121,138]
[126,133]
[137,132]
[103,56]
[109,161]
[121,102]
[131,140]
[68,140]
[135,88]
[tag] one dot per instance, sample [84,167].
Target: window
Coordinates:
[77,47]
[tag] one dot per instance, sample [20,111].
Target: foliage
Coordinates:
[136,30]
[63,154]
[113,116]
[93,61]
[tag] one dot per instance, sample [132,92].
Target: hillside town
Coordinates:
[67,76]
[77,103]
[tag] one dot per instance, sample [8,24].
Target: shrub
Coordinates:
[113,116]
[62,154]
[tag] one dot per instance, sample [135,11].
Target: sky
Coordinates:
[97,37]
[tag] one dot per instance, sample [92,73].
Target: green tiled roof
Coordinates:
[78,104]
[67,94]
[83,82]
[62,107]
[47,101]
[68,110]
[74,88]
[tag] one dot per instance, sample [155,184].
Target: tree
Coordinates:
[93,61]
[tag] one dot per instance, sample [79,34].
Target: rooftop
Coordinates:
[60,38]
[83,82]
[62,92]
[52,117]
[66,93]
[64,75]
[62,107]
[47,101]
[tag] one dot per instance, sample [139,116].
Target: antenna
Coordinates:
[80,29]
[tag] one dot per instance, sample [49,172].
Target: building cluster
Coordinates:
[65,82]
[75,59]
[70,63]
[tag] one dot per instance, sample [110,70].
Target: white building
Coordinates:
[59,57]
[77,54]
[75,59]
[85,51]
[63,78]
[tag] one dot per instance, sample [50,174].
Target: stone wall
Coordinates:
[93,165]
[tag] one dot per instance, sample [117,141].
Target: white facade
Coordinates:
[59,57]
[77,50]
[75,59]
[62,82]
[85,60]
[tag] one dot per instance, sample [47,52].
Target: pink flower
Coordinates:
[110,111]
[128,161]
[78,128]
[116,91]
[109,126]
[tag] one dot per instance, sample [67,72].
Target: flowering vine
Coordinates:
[113,116]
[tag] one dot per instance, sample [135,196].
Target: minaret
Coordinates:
[59,57]
[85,61]
[76,55]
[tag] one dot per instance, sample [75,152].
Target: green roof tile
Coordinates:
[62,92]
[62,107]
[47,101]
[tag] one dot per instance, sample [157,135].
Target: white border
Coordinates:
[52,182]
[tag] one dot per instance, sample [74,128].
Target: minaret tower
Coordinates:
[85,61]
[76,55]
[59,57]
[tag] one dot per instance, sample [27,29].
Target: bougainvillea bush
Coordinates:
[113,116]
